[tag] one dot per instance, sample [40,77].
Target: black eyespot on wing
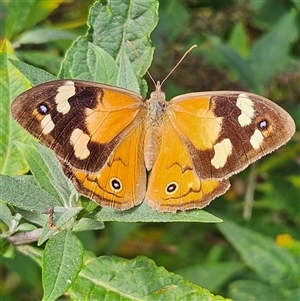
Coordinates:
[263,125]
[171,188]
[116,184]
[43,109]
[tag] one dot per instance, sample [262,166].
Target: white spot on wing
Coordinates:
[79,140]
[63,94]
[256,139]
[222,151]
[47,124]
[245,104]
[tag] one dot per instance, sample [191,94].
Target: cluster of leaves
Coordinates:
[44,207]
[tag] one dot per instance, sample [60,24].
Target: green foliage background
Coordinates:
[253,255]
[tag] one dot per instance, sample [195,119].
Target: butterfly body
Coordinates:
[156,107]
[107,137]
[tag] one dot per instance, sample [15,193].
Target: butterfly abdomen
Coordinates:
[151,145]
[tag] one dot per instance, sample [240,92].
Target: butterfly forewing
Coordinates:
[226,131]
[81,121]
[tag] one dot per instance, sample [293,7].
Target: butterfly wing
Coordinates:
[173,184]
[226,131]
[86,124]
[81,121]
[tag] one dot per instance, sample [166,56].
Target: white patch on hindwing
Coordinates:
[245,104]
[64,92]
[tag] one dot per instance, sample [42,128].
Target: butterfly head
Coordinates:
[158,94]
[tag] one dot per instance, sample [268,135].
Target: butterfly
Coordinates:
[120,149]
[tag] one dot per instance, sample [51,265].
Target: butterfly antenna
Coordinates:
[182,58]
[137,54]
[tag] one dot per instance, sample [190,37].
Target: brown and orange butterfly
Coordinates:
[120,149]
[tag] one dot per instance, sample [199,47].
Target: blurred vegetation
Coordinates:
[242,45]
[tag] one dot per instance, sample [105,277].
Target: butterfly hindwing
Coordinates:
[121,183]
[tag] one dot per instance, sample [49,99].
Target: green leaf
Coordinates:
[169,23]
[104,66]
[281,193]
[110,27]
[24,193]
[116,22]
[39,35]
[50,62]
[273,264]
[35,75]
[62,260]
[95,63]
[85,224]
[25,227]
[296,3]
[61,218]
[88,206]
[146,214]
[5,217]
[23,15]
[238,40]
[40,10]
[270,54]
[11,85]
[48,175]
[282,158]
[127,78]
[6,248]
[34,217]
[235,62]
[36,254]
[212,276]
[118,233]
[57,178]
[253,290]
[16,14]
[114,278]
[39,168]
[265,14]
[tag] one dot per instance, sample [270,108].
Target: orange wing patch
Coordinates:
[194,118]
[115,111]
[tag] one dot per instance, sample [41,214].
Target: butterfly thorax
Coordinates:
[156,106]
